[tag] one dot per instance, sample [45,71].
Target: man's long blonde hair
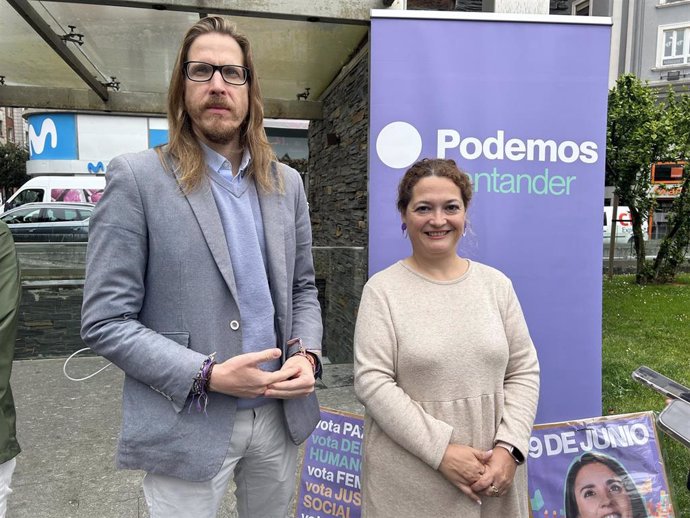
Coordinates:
[183,144]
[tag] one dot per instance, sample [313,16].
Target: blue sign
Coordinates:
[157,137]
[53,136]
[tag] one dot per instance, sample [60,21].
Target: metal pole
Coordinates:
[612,243]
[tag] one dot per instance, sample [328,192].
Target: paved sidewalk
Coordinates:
[68,432]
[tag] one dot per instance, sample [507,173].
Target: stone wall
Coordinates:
[49,319]
[341,273]
[337,190]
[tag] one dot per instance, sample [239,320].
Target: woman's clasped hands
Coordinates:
[476,472]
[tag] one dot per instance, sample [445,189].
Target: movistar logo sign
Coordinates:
[38,141]
[95,168]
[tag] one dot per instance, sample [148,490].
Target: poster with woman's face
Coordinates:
[606,467]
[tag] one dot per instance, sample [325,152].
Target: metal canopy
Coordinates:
[131,45]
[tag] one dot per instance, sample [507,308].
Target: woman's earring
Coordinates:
[464,231]
[403,227]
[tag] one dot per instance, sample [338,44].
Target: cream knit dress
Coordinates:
[440,362]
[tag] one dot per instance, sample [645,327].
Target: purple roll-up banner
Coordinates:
[519,102]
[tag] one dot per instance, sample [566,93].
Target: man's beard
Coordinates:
[218,131]
[215,128]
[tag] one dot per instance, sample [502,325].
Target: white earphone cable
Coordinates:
[64,367]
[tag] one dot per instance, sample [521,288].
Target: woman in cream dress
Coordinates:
[445,368]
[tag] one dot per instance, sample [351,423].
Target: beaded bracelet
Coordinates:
[303,352]
[200,384]
[310,356]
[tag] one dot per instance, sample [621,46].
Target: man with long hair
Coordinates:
[200,287]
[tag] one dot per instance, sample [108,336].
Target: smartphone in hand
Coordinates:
[675,421]
[661,383]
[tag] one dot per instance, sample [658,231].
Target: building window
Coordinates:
[674,45]
[581,8]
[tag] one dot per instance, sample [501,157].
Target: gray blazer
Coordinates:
[160,297]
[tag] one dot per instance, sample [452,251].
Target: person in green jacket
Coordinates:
[10,294]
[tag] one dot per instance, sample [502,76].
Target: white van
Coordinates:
[624,229]
[58,188]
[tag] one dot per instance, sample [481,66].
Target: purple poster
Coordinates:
[611,464]
[520,104]
[329,483]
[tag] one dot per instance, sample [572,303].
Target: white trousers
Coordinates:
[6,472]
[263,461]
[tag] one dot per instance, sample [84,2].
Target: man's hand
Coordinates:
[299,384]
[240,376]
[463,466]
[499,474]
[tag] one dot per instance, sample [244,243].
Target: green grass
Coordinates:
[648,325]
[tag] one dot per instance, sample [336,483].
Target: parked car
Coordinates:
[49,222]
[68,189]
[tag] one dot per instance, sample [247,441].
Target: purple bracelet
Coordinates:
[200,385]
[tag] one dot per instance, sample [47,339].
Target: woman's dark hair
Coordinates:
[636,501]
[433,167]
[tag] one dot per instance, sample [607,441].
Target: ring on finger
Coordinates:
[494,490]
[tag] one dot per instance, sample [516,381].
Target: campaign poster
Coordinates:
[611,464]
[329,484]
[519,103]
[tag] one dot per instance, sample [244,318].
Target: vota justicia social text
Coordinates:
[546,182]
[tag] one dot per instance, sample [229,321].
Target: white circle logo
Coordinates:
[399,145]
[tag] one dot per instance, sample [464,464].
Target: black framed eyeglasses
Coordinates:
[200,72]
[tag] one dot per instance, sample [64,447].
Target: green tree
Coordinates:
[12,167]
[642,130]
[632,143]
[676,127]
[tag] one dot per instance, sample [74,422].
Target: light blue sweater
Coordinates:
[240,214]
